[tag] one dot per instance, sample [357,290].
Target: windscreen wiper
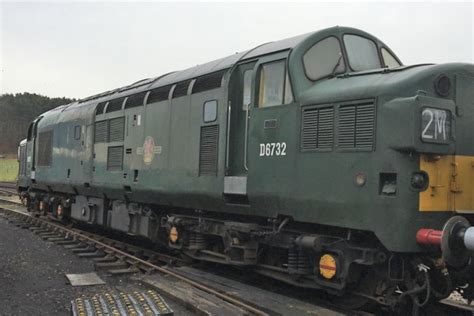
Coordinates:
[333,73]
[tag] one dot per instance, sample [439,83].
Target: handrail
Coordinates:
[246,136]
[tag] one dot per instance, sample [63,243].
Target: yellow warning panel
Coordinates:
[463,184]
[437,197]
[451,183]
[327,266]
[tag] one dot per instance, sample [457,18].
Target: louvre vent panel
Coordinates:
[115,158]
[326,128]
[365,126]
[45,148]
[116,129]
[346,130]
[310,129]
[208,150]
[356,127]
[22,164]
[318,128]
[100,135]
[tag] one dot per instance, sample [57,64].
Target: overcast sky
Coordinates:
[78,49]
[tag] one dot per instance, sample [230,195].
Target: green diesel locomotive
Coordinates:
[319,160]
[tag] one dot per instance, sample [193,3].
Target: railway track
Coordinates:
[118,257]
[11,185]
[8,188]
[114,256]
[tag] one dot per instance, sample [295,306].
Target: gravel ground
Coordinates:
[32,276]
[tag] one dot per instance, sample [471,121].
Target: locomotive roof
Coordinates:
[200,70]
[229,61]
[209,67]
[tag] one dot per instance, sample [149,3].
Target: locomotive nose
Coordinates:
[456,240]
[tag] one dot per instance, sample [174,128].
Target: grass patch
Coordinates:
[8,169]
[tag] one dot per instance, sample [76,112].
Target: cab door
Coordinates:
[240,97]
[33,138]
[273,135]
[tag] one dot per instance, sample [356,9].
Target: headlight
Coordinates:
[435,125]
[420,181]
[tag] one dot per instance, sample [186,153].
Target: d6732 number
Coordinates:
[272,149]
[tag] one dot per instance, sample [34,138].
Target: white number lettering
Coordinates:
[430,114]
[435,127]
[272,149]
[262,150]
[440,124]
[278,149]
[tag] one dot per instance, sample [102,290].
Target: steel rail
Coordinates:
[114,250]
[10,185]
[7,191]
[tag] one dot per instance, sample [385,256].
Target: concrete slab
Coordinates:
[84,279]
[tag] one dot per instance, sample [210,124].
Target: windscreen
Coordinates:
[324,59]
[362,53]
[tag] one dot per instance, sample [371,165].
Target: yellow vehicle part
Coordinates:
[173,234]
[327,266]
[451,186]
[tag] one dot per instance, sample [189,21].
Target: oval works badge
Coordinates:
[148,150]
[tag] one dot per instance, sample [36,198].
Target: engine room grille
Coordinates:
[114,105]
[115,158]
[116,129]
[208,82]
[22,164]
[208,150]
[135,100]
[45,148]
[100,108]
[356,126]
[181,89]
[158,94]
[317,128]
[100,132]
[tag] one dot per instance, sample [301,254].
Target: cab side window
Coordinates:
[389,60]
[274,85]
[247,89]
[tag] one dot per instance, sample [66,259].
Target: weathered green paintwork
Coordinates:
[313,187]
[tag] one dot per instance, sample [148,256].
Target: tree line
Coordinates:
[16,113]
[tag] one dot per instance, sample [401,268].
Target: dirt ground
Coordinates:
[32,275]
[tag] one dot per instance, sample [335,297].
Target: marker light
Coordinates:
[442,85]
